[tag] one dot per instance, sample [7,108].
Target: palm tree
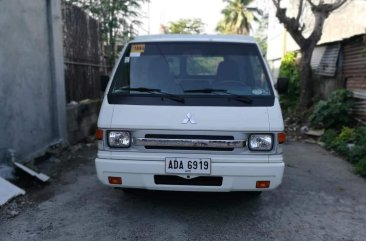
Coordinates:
[237,17]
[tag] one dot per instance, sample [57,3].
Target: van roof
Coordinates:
[194,38]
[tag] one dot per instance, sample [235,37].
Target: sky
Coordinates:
[165,11]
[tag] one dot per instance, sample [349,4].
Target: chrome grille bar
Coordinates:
[189,143]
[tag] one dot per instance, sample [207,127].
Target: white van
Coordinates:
[191,113]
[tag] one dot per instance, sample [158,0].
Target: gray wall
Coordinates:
[32,95]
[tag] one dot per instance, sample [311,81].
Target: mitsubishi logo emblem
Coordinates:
[189,119]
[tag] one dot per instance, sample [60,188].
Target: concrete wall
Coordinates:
[32,96]
[325,85]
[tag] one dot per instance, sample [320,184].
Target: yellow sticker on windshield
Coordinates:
[138,48]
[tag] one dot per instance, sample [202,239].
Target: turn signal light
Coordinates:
[281,137]
[115,180]
[262,184]
[99,134]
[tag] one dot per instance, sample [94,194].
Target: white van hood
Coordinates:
[132,117]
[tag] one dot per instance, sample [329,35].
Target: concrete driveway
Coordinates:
[320,199]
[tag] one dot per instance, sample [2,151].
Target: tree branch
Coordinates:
[326,7]
[338,4]
[299,11]
[276,3]
[317,32]
[311,4]
[292,25]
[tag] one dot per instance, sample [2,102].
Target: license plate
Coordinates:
[187,165]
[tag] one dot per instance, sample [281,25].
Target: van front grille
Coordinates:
[201,137]
[190,142]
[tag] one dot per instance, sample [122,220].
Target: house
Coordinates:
[354,71]
[339,60]
[344,23]
[342,64]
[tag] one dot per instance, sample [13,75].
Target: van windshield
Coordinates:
[191,70]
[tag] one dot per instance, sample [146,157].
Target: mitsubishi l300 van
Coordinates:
[191,113]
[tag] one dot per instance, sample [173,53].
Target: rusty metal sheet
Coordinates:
[354,64]
[359,110]
[354,72]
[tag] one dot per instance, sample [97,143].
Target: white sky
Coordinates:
[165,11]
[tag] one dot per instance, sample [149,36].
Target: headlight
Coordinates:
[119,139]
[260,142]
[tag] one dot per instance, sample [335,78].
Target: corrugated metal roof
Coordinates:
[328,63]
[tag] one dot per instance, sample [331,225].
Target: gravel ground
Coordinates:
[320,199]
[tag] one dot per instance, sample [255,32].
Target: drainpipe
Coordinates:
[55,42]
[284,46]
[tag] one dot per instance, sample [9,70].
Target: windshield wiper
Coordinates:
[154,91]
[208,90]
[241,98]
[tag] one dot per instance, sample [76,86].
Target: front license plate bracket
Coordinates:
[177,165]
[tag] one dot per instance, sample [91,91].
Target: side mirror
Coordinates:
[103,82]
[282,85]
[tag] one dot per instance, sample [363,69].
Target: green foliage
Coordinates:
[334,112]
[340,143]
[356,153]
[328,137]
[361,167]
[350,143]
[290,70]
[186,26]
[361,136]
[237,18]
[347,135]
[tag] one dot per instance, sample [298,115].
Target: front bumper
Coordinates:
[236,176]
